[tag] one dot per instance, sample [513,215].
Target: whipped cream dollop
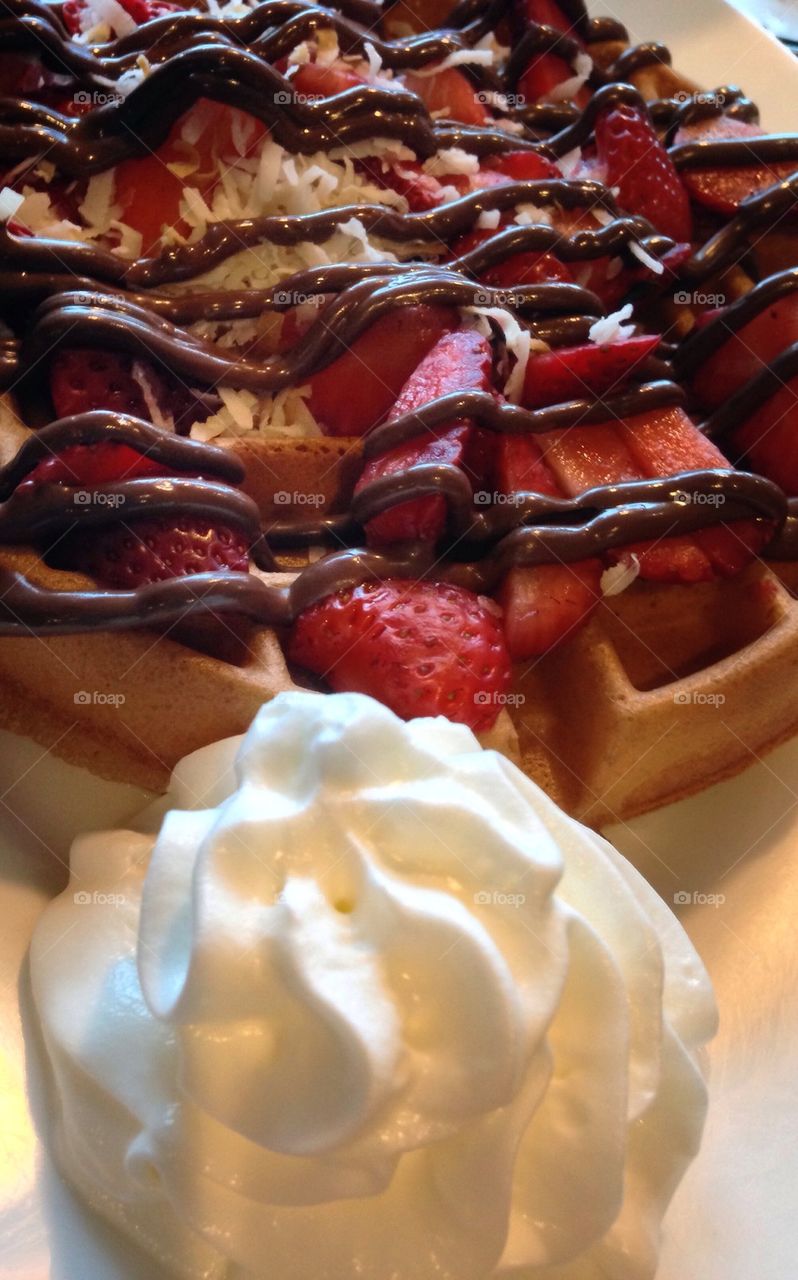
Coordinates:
[370,1005]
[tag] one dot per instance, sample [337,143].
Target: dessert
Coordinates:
[369,1003]
[420,316]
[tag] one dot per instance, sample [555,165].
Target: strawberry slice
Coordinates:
[724,187]
[408,179]
[421,648]
[451,92]
[520,268]
[666,442]
[543,604]
[127,556]
[460,361]
[546,13]
[93,464]
[542,77]
[317,80]
[523,166]
[356,391]
[744,354]
[570,373]
[639,166]
[83,378]
[769,438]
[74,13]
[585,457]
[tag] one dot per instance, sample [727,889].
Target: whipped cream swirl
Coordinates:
[370,1005]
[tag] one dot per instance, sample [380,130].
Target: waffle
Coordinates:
[666,690]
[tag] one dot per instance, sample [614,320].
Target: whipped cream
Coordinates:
[370,1005]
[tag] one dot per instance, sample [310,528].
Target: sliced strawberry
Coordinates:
[83,378]
[585,457]
[523,166]
[769,438]
[570,373]
[356,391]
[639,166]
[451,92]
[723,188]
[421,648]
[460,361]
[545,13]
[520,268]
[315,80]
[745,352]
[666,442]
[547,603]
[126,556]
[139,10]
[543,604]
[542,77]
[408,179]
[92,464]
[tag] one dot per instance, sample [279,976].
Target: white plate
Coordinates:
[734,1217]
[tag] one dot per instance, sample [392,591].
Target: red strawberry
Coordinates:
[724,187]
[542,77]
[408,179]
[640,167]
[422,648]
[545,13]
[547,603]
[315,80]
[520,268]
[666,442]
[584,457]
[543,604]
[91,464]
[139,10]
[570,373]
[744,353]
[126,556]
[523,166]
[357,390]
[451,92]
[458,362]
[82,378]
[769,438]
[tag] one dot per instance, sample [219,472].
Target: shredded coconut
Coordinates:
[10,202]
[568,89]
[647,260]
[459,58]
[611,328]
[489,220]
[451,160]
[620,576]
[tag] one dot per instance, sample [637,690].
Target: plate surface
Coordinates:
[732,851]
